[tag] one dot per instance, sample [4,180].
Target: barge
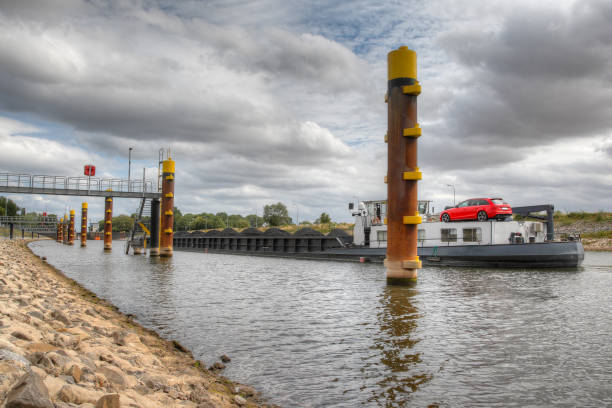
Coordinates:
[491,243]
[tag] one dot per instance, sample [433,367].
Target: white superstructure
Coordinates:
[370,229]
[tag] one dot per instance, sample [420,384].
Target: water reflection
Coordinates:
[398,319]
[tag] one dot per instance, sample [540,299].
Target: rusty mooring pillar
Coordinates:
[167,208]
[154,228]
[84,225]
[71,228]
[108,223]
[403,174]
[65,230]
[60,230]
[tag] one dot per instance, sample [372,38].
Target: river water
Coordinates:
[331,334]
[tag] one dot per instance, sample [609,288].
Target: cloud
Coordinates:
[275,100]
[541,76]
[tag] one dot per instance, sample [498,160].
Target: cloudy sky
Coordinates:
[280,100]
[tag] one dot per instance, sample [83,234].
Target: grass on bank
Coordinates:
[573,217]
[598,234]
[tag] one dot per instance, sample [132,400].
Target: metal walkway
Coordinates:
[76,186]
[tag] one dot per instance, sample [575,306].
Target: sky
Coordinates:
[280,100]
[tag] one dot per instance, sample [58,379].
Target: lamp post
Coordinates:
[129,166]
[297,209]
[453,186]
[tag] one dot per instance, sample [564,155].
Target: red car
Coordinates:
[480,209]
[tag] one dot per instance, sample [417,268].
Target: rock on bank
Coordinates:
[61,346]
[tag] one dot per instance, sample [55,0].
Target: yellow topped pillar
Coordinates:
[402,261]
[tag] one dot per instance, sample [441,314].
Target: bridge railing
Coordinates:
[41,181]
[15,180]
[25,219]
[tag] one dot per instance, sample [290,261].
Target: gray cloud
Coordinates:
[268,101]
[544,75]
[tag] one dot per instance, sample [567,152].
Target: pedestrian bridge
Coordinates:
[77,186]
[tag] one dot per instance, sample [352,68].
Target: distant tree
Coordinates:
[323,219]
[120,223]
[276,215]
[238,221]
[186,222]
[10,206]
[305,223]
[215,221]
[255,221]
[178,215]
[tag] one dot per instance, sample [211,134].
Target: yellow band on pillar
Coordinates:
[108,233]
[413,219]
[109,199]
[386,180]
[168,231]
[412,89]
[413,132]
[413,175]
[169,212]
[414,263]
[169,177]
[84,205]
[169,195]
[109,211]
[402,63]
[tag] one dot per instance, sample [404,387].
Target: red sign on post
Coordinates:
[90,170]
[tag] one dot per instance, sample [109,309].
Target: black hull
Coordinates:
[533,255]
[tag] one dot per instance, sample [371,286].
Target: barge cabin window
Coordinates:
[381,236]
[472,235]
[448,234]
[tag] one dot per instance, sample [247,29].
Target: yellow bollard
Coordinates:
[167,208]
[108,224]
[84,225]
[71,228]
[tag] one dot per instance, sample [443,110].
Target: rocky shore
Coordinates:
[589,227]
[61,346]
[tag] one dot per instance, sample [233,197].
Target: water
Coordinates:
[316,333]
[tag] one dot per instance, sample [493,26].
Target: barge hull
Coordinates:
[568,254]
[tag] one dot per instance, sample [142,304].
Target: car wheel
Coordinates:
[482,216]
[445,217]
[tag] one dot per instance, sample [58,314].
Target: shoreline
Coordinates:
[597,244]
[62,346]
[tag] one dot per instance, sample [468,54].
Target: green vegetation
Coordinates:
[10,206]
[120,223]
[221,220]
[572,217]
[276,215]
[598,234]
[323,219]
